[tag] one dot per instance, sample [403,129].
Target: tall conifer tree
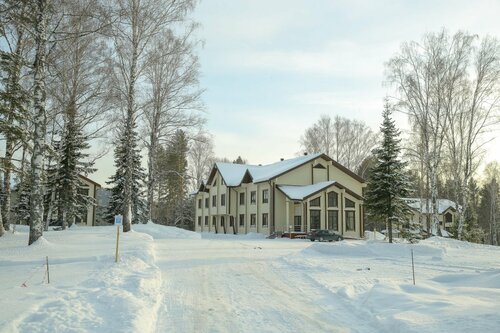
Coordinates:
[388,184]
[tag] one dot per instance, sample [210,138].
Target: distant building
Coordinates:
[299,194]
[422,209]
[88,188]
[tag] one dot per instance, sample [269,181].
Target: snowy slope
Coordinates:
[172,280]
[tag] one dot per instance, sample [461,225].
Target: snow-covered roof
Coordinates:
[233,173]
[300,192]
[443,205]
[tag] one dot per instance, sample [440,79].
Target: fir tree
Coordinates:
[388,184]
[71,165]
[127,159]
[176,162]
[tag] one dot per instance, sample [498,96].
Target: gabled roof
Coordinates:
[442,205]
[234,174]
[301,192]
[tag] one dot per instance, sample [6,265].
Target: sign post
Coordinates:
[118,223]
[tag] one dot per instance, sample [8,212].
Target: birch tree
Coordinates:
[347,141]
[14,96]
[172,73]
[475,112]
[428,76]
[140,21]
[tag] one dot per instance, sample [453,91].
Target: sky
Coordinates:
[272,67]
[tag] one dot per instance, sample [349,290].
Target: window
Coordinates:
[214,200]
[242,220]
[265,218]
[265,196]
[297,223]
[206,202]
[242,198]
[314,203]
[222,199]
[214,221]
[199,221]
[333,199]
[448,218]
[199,203]
[222,221]
[349,203]
[253,197]
[253,220]
[206,220]
[315,219]
[350,220]
[333,220]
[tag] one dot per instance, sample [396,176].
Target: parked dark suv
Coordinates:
[323,235]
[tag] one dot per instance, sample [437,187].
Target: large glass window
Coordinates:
[253,220]
[265,218]
[222,199]
[253,197]
[206,202]
[297,223]
[350,220]
[199,203]
[314,203]
[315,219]
[349,203]
[242,198]
[214,200]
[333,220]
[265,196]
[242,220]
[333,199]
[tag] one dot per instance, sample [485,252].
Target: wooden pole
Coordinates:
[412,267]
[117,241]
[47,263]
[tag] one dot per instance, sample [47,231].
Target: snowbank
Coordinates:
[158,231]
[88,291]
[374,249]
[249,236]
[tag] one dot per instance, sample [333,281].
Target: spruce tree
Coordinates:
[127,159]
[388,184]
[176,161]
[72,163]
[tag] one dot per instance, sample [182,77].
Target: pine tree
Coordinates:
[71,165]
[126,145]
[176,161]
[388,184]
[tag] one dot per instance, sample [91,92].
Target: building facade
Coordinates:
[88,189]
[295,195]
[422,211]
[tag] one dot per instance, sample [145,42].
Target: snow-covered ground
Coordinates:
[171,280]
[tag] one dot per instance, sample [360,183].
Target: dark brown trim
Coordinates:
[89,180]
[327,158]
[351,193]
[307,197]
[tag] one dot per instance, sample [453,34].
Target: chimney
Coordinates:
[282,159]
[305,153]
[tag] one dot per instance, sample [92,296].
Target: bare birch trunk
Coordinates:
[39,120]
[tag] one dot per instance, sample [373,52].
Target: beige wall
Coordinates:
[91,188]
[283,217]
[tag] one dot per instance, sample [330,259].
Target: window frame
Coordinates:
[265,220]
[253,197]
[265,196]
[223,199]
[242,198]
[347,226]
[253,220]
[316,202]
[241,220]
[334,203]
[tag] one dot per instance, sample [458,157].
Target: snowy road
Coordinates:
[242,286]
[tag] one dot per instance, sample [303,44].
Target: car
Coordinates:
[323,235]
